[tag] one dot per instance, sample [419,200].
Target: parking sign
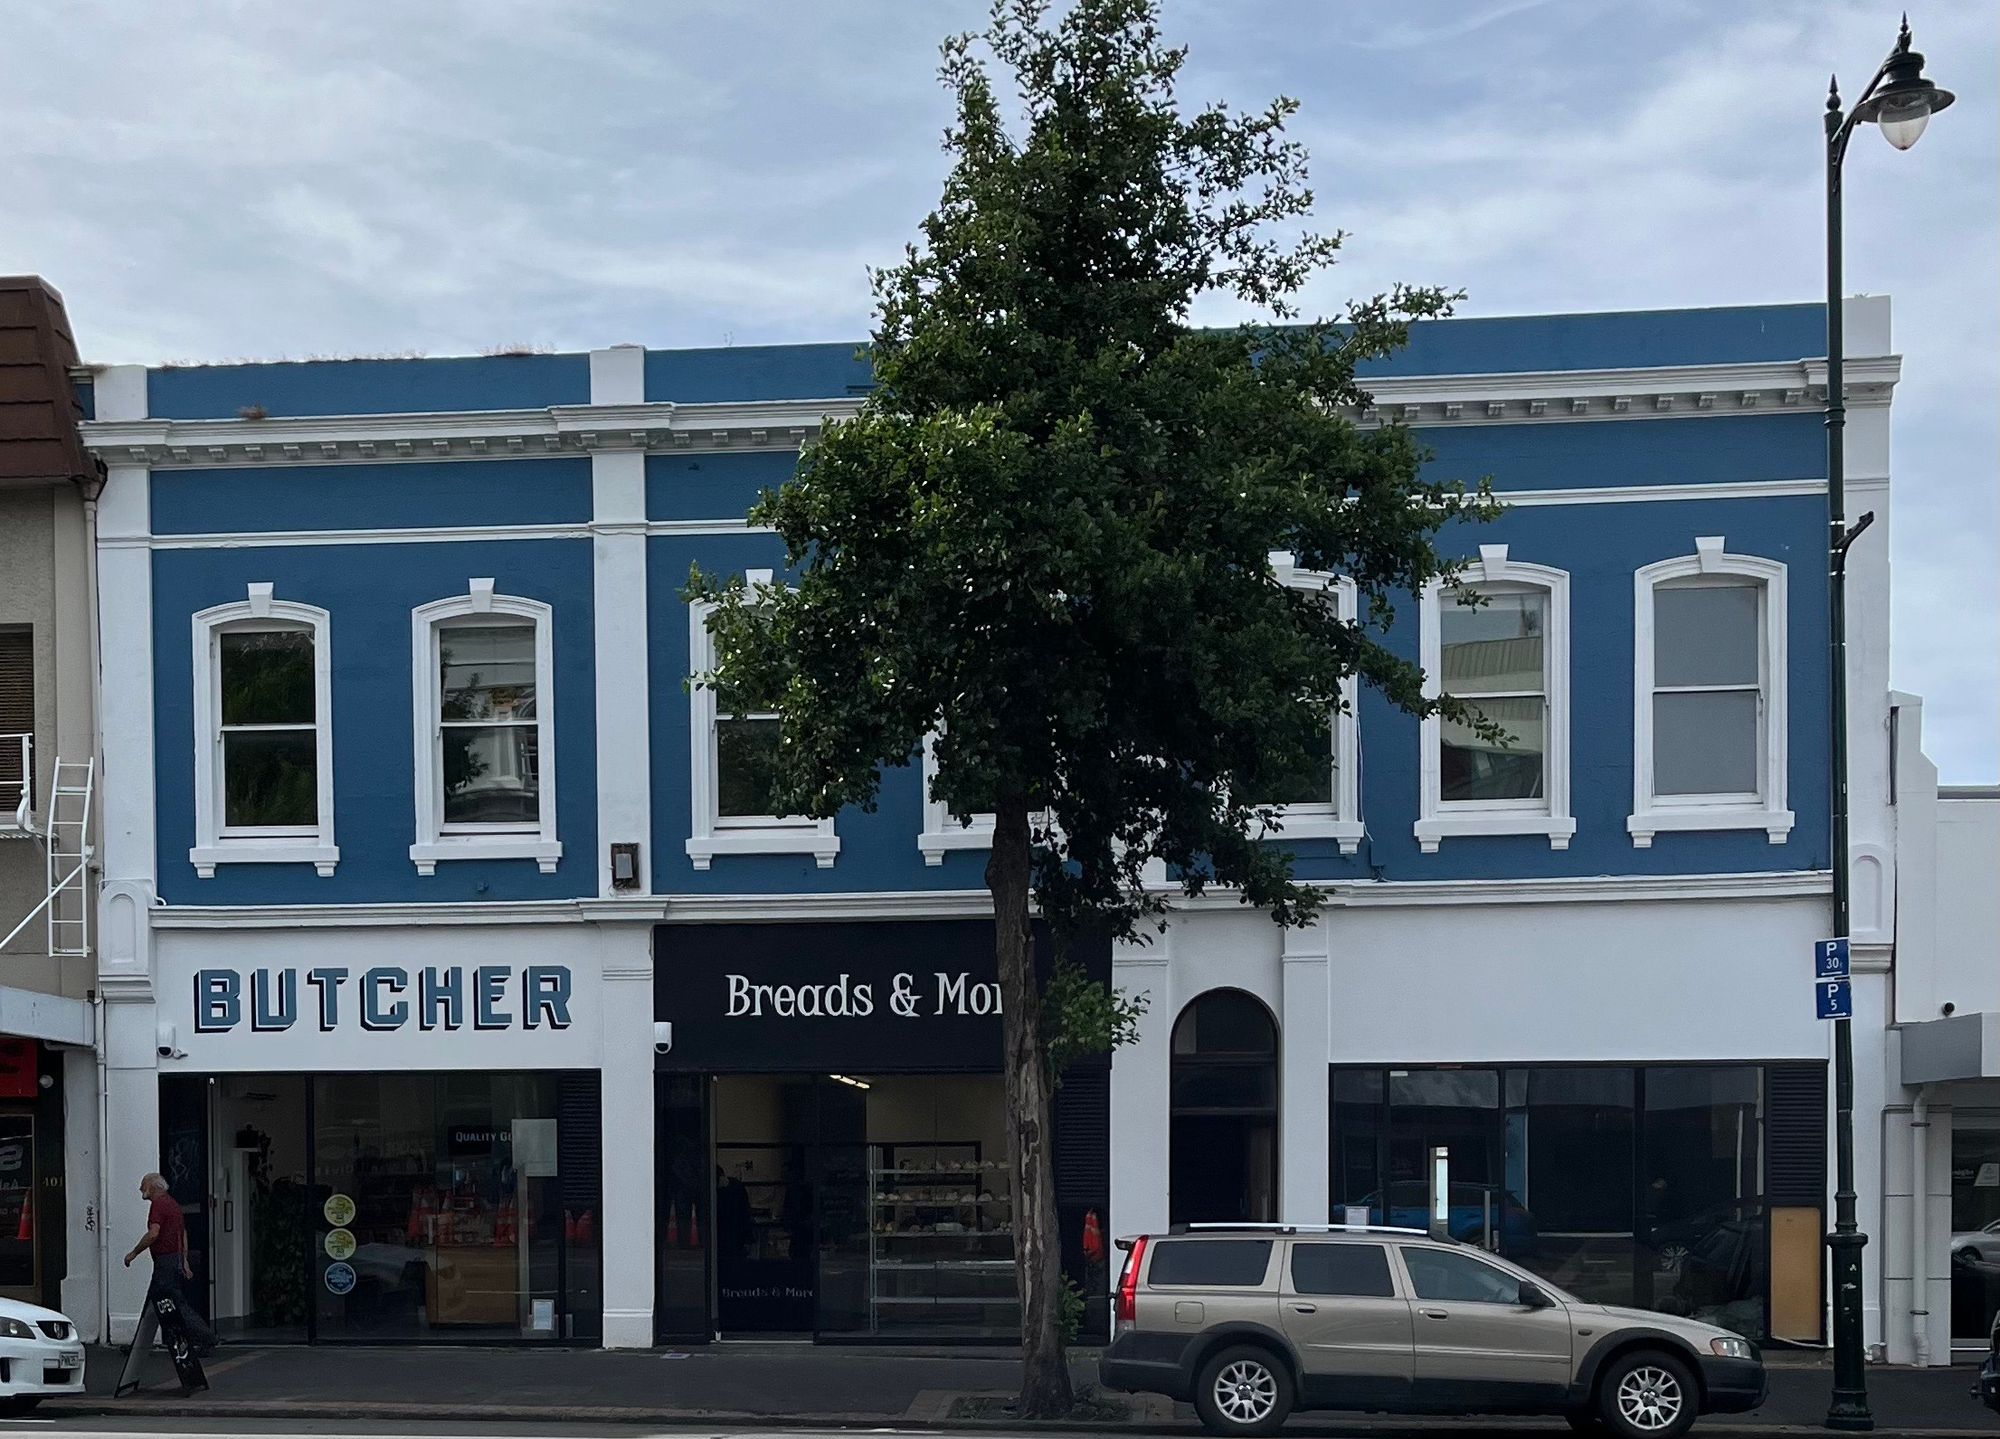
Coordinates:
[1833,999]
[1830,959]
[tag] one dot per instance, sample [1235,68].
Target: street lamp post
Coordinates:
[1900,101]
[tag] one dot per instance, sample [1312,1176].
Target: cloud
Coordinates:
[241,179]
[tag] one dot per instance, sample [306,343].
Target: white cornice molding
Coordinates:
[464,434]
[341,916]
[975,903]
[445,534]
[1530,397]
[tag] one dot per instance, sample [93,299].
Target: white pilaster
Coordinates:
[132,1148]
[627,1233]
[83,1276]
[1302,1077]
[125,624]
[1141,1075]
[618,566]
[130,1142]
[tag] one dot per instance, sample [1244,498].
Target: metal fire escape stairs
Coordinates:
[65,837]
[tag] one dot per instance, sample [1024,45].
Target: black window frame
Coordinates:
[1778,1186]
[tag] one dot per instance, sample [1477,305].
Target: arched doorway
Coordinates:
[1223,1142]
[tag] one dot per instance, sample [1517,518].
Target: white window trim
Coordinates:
[1341,820]
[1653,814]
[942,830]
[1439,819]
[711,833]
[214,842]
[433,842]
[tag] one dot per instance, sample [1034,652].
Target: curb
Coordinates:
[169,1406]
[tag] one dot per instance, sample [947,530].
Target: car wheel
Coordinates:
[1244,1390]
[1973,1254]
[15,1405]
[1647,1395]
[1670,1258]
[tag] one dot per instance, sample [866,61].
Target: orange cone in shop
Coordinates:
[674,1225]
[694,1230]
[27,1229]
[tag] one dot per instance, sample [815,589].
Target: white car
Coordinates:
[1983,1244]
[40,1355]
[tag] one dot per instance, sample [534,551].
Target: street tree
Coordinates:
[1046,540]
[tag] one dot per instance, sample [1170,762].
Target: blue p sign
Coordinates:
[1830,959]
[1833,999]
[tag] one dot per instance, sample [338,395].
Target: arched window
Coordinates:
[1223,1164]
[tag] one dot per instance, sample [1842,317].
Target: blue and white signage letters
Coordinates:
[1830,958]
[386,997]
[1833,999]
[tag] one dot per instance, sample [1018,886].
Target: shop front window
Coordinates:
[857,1204]
[1621,1185]
[1704,1196]
[439,1210]
[18,1274]
[1975,1233]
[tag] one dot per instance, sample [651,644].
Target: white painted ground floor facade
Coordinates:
[1628,1074]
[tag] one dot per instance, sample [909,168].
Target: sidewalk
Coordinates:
[801,1384]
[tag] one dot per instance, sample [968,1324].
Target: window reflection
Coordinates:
[1623,1185]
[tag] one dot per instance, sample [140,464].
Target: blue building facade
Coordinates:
[407,750]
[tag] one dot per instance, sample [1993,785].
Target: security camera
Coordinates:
[663,1036]
[167,1039]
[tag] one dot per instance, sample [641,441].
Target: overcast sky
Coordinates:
[217,181]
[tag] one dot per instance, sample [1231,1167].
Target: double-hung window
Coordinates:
[1321,800]
[263,735]
[1709,695]
[1498,641]
[485,741]
[729,755]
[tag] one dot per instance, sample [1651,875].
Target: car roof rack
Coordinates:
[1207,1228]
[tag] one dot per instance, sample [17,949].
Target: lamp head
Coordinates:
[1904,102]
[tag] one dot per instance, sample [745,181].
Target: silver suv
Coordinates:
[1251,1323]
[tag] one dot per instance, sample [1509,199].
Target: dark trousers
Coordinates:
[168,1280]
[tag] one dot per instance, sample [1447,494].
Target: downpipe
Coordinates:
[90,496]
[1920,1203]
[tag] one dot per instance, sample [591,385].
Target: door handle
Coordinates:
[1305,1309]
[1435,1313]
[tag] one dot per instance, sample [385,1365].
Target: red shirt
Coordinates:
[173,1228]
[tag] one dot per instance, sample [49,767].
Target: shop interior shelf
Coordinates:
[955,1277]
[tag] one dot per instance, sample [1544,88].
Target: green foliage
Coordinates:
[1083,1016]
[1046,534]
[1069,1310]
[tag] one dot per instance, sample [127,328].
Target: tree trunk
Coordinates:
[1045,1390]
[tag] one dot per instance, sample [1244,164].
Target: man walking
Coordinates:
[166,1238]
